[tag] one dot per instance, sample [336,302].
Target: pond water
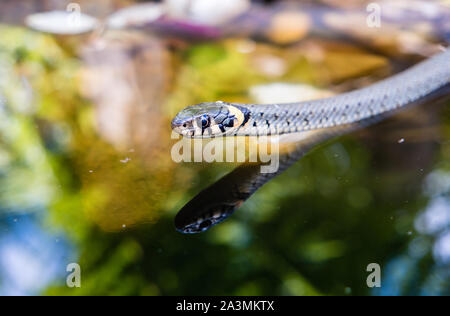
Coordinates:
[87,177]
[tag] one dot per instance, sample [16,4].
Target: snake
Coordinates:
[320,120]
[325,119]
[219,201]
[218,119]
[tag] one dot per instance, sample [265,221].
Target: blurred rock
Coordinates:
[62,22]
[269,65]
[135,15]
[276,93]
[206,11]
[348,4]
[127,173]
[127,76]
[289,27]
[15,12]
[389,37]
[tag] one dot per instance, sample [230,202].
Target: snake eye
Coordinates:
[205,121]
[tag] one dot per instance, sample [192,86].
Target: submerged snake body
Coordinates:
[230,119]
[219,201]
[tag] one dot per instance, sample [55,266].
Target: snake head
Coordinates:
[207,120]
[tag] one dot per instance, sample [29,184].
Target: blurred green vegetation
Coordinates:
[312,231]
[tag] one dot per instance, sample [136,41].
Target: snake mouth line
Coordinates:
[197,132]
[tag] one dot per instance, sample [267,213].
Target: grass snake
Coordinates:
[215,119]
[324,119]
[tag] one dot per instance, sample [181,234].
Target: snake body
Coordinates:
[215,119]
[324,119]
[216,203]
[219,201]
